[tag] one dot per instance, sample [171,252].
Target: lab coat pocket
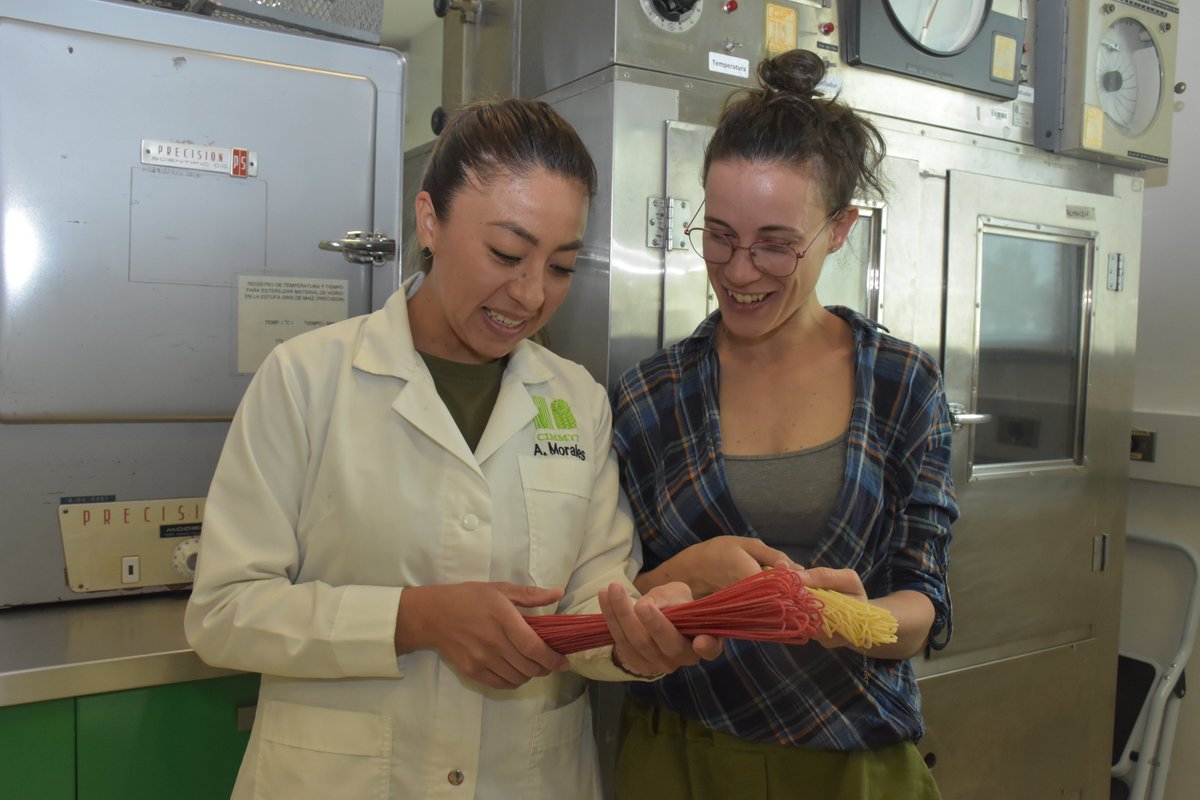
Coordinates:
[563,755]
[557,491]
[311,752]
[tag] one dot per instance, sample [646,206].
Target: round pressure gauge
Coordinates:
[1128,76]
[942,27]
[673,16]
[184,557]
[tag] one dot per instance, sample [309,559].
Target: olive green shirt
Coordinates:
[469,392]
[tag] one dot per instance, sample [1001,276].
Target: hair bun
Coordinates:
[797,72]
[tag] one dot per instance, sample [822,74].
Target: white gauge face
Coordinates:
[940,26]
[686,19]
[1128,76]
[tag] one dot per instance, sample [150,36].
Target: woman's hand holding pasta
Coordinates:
[476,627]
[714,564]
[645,642]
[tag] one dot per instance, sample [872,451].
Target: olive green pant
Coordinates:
[665,757]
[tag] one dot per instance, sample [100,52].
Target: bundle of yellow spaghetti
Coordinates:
[860,623]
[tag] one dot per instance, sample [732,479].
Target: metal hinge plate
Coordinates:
[1116,272]
[665,220]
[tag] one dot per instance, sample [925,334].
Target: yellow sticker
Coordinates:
[781,29]
[1093,127]
[1004,58]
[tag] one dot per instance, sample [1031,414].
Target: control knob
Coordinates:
[184,557]
[674,9]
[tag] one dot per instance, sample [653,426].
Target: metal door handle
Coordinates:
[360,247]
[960,417]
[470,8]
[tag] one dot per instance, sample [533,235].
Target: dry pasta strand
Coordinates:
[863,625]
[771,606]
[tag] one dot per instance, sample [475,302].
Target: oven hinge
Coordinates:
[1116,272]
[666,218]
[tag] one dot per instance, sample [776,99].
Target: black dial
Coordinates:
[674,9]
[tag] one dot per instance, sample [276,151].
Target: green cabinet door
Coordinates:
[37,750]
[178,740]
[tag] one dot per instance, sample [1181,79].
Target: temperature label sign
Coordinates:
[237,161]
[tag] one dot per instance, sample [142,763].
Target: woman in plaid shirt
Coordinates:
[784,431]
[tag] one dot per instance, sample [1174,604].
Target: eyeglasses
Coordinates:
[769,256]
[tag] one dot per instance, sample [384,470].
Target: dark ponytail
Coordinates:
[488,139]
[789,119]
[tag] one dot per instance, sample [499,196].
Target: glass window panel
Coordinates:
[1031,346]
[850,277]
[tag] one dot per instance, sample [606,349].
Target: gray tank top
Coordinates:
[789,497]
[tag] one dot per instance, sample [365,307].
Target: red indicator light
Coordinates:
[826,28]
[730,6]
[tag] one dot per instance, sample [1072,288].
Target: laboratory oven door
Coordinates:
[167,181]
[1040,316]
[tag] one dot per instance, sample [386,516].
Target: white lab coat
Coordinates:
[345,479]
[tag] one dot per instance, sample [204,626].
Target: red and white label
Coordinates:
[237,161]
[240,164]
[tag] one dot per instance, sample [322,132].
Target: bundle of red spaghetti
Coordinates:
[770,606]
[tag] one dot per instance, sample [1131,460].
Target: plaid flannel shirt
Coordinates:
[891,524]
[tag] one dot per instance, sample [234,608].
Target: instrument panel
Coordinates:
[1105,76]
[968,44]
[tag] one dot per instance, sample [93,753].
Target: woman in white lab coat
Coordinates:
[396,490]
